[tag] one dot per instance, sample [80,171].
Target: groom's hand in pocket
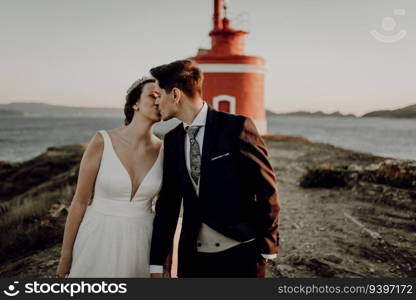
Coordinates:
[156,275]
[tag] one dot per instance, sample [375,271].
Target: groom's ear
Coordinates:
[176,94]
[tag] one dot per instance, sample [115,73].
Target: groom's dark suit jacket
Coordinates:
[238,195]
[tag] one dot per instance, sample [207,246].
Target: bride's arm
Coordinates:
[89,166]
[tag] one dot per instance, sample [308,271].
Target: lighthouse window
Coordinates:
[225,103]
[224,106]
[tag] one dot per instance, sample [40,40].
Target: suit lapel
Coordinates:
[209,142]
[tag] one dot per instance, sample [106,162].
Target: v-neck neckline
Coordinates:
[127,173]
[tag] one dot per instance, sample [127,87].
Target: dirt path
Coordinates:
[317,239]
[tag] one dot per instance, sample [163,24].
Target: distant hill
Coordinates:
[406,112]
[42,109]
[310,114]
[7,112]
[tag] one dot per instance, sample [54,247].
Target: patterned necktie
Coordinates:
[195,152]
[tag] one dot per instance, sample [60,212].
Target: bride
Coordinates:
[121,170]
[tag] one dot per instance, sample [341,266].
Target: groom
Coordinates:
[218,165]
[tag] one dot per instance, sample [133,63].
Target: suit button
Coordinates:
[199,244]
[217,244]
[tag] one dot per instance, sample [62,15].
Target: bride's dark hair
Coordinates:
[133,95]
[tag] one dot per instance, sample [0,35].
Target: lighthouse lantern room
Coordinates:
[233,82]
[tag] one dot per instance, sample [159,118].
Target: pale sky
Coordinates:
[319,54]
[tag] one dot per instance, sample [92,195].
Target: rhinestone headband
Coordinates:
[137,83]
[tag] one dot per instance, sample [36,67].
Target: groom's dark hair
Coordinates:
[181,74]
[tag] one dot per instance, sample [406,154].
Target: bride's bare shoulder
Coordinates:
[96,144]
[158,142]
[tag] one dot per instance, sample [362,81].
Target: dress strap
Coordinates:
[161,149]
[107,141]
[106,137]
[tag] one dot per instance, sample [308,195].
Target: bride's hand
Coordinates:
[64,266]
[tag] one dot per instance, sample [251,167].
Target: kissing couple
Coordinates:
[213,170]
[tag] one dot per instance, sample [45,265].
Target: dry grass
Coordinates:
[26,220]
[30,226]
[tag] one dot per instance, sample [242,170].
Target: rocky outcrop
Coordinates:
[31,194]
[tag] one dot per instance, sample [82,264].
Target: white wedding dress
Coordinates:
[114,236]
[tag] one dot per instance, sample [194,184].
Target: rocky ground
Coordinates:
[344,213]
[354,217]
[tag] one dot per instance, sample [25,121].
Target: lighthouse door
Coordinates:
[224,103]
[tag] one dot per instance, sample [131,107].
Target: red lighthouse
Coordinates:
[233,82]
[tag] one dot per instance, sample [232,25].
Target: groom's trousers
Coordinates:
[242,260]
